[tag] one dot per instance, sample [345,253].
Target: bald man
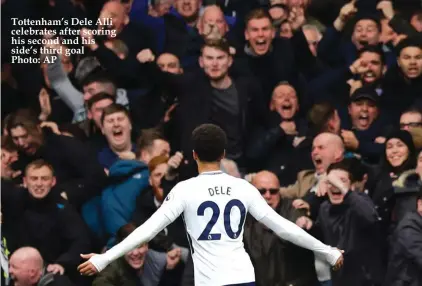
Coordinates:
[310,187]
[327,148]
[276,261]
[212,23]
[268,185]
[27,269]
[117,13]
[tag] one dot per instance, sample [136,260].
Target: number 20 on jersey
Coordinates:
[206,234]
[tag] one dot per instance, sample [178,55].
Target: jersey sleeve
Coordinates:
[174,203]
[172,207]
[258,207]
[289,231]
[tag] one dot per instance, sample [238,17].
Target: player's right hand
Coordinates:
[339,262]
[87,268]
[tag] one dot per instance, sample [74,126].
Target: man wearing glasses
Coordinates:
[411,118]
[276,262]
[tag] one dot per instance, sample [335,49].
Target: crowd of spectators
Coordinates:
[321,101]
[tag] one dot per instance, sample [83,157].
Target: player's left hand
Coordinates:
[87,268]
[339,262]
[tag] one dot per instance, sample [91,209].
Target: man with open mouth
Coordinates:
[372,65]
[27,268]
[348,220]
[273,143]
[338,50]
[64,153]
[365,126]
[402,84]
[116,126]
[327,148]
[367,71]
[268,58]
[410,59]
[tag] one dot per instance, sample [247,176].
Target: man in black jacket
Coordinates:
[349,221]
[269,59]
[272,145]
[405,267]
[42,219]
[213,96]
[276,261]
[403,82]
[78,174]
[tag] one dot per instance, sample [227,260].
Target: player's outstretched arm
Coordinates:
[165,215]
[287,230]
[142,234]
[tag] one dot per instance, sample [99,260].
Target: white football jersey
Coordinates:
[214,206]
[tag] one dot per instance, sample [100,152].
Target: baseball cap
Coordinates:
[365,93]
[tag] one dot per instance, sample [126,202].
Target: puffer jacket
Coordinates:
[105,214]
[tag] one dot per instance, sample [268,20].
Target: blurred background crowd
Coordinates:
[305,90]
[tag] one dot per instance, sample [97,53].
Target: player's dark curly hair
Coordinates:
[209,142]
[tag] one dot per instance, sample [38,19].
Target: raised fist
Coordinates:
[387,9]
[347,11]
[296,18]
[145,56]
